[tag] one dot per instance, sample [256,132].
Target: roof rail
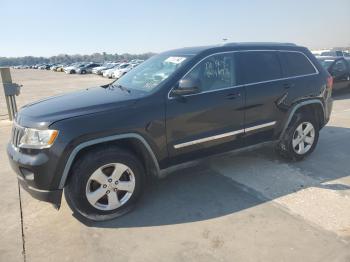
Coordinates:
[258,43]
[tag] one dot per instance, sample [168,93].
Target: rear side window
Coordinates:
[296,64]
[258,66]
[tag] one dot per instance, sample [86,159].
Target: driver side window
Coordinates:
[214,72]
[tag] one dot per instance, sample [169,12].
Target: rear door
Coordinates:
[302,77]
[261,74]
[212,120]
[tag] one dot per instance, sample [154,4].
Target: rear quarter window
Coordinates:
[258,66]
[296,64]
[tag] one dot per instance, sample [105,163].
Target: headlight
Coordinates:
[34,138]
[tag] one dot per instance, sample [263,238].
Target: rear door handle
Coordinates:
[233,95]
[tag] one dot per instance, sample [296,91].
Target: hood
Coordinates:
[93,100]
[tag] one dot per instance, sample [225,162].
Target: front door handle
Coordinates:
[233,95]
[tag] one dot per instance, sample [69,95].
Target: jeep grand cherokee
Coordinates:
[102,144]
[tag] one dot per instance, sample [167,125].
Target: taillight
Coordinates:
[329,83]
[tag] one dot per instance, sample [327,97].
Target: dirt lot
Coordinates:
[249,206]
[39,84]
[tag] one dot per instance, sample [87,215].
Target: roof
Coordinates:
[231,46]
[259,44]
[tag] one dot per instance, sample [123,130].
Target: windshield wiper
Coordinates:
[121,87]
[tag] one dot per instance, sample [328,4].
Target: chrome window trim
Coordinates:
[223,135]
[249,84]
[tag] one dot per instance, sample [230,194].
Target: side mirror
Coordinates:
[187,87]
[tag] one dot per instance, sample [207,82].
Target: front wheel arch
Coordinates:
[132,142]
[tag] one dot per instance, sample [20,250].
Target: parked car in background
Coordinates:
[338,53]
[86,69]
[45,67]
[339,68]
[109,72]
[136,61]
[73,68]
[70,68]
[60,68]
[54,67]
[122,70]
[98,70]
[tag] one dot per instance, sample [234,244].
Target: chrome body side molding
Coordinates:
[223,135]
[260,126]
[207,139]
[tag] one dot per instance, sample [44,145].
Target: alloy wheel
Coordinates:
[303,138]
[110,186]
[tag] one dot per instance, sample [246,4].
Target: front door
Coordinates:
[213,119]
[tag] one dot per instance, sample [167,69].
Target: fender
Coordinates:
[77,149]
[296,107]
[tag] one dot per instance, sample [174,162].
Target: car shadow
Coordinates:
[202,192]
[188,195]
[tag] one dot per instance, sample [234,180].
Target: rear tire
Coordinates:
[300,138]
[114,170]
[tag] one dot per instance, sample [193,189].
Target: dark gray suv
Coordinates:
[102,144]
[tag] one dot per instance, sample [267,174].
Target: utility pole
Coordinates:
[11,90]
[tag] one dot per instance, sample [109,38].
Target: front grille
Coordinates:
[17,133]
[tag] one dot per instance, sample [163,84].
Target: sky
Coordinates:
[46,28]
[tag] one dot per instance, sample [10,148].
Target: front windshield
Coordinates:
[151,73]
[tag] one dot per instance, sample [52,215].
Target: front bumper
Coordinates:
[29,173]
[53,197]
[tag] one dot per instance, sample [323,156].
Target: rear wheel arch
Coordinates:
[313,107]
[133,143]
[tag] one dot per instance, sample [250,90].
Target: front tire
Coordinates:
[300,138]
[105,184]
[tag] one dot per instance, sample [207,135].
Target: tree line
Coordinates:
[67,59]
